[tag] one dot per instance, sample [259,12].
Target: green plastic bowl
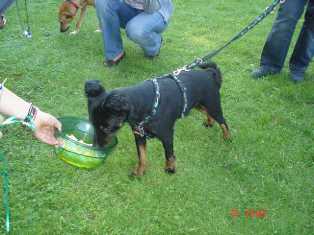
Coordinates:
[81,154]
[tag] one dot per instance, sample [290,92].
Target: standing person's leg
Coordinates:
[112,15]
[145,30]
[3,21]
[278,41]
[4,4]
[304,49]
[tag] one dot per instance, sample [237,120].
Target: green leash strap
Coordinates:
[6,189]
[28,122]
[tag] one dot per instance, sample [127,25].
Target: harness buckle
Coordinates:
[139,130]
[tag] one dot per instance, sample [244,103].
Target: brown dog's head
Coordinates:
[67,12]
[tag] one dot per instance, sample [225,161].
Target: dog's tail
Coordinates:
[212,67]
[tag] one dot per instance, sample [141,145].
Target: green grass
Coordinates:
[269,164]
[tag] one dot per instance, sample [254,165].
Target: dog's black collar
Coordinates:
[139,129]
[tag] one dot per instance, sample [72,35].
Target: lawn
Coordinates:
[268,167]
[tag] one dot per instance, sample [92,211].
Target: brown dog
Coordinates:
[68,11]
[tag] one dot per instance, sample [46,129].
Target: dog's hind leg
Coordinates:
[214,111]
[209,122]
[167,142]
[142,156]
[223,125]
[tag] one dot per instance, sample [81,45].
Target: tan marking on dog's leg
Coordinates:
[209,122]
[171,165]
[201,108]
[142,160]
[225,132]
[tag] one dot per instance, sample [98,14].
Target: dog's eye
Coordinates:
[68,17]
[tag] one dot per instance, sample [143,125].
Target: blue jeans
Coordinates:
[278,42]
[142,28]
[4,4]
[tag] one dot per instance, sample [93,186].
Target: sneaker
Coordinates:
[3,21]
[116,61]
[263,71]
[297,76]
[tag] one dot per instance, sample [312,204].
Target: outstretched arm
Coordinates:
[45,124]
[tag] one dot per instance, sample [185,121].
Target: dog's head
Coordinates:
[107,111]
[67,12]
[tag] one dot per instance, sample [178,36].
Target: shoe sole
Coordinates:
[111,63]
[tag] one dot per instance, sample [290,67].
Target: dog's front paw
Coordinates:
[170,170]
[170,167]
[74,32]
[138,171]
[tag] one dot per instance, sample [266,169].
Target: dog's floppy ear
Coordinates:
[117,103]
[93,88]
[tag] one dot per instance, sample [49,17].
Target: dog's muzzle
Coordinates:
[64,27]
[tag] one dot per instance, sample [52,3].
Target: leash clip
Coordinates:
[199,61]
[179,70]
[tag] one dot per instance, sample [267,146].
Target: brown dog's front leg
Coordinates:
[142,157]
[82,15]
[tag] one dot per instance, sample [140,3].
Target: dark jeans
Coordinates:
[4,4]
[278,42]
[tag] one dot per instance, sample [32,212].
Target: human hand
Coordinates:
[45,127]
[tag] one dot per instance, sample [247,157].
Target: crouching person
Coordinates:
[45,125]
[143,20]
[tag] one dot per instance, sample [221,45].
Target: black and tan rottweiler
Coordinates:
[108,111]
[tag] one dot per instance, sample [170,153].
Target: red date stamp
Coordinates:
[248,213]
